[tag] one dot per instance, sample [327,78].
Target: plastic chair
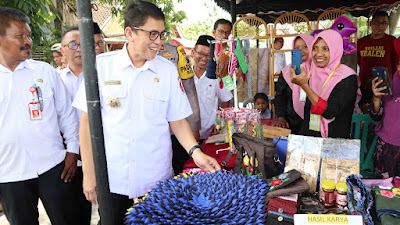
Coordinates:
[366,161]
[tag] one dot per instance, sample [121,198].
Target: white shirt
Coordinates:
[72,84]
[279,61]
[136,134]
[208,92]
[29,148]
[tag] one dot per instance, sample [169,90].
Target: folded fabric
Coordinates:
[276,218]
[298,186]
[282,206]
[387,204]
[360,200]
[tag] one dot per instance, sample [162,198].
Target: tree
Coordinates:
[167,7]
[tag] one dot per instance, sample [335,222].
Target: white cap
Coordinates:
[56,47]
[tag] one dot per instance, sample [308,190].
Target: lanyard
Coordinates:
[309,74]
[328,79]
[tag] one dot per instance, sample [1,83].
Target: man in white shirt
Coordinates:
[35,108]
[72,77]
[141,99]
[208,90]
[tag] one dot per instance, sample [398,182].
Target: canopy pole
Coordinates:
[93,103]
[233,11]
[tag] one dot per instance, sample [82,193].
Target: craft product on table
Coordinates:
[327,193]
[204,198]
[340,159]
[304,155]
[341,194]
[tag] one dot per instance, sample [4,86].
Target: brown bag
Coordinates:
[255,156]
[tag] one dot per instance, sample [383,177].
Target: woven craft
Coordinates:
[204,198]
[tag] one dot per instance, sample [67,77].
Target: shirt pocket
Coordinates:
[117,93]
[156,101]
[47,99]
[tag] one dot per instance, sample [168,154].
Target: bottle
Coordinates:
[328,193]
[341,194]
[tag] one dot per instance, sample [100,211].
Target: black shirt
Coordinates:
[341,104]
[284,105]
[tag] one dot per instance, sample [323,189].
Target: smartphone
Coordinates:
[296,60]
[383,74]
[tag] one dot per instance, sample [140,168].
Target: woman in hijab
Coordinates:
[332,89]
[386,108]
[288,106]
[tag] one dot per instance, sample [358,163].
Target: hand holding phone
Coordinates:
[296,60]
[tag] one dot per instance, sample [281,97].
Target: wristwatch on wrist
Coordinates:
[194,148]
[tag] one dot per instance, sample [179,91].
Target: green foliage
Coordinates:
[194,30]
[167,6]
[38,14]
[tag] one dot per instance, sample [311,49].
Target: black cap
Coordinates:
[202,40]
[96,28]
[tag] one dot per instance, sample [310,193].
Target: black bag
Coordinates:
[255,156]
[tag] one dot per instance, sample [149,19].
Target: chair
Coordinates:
[250,26]
[366,162]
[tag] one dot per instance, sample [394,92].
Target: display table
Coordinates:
[211,150]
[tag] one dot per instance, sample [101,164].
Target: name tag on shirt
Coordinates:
[34,111]
[112,82]
[315,122]
[303,95]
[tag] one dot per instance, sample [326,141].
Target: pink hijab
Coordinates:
[297,104]
[319,75]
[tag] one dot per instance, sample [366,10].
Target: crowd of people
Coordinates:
[157,107]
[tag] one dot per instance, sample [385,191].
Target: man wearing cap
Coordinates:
[141,99]
[208,90]
[35,108]
[57,55]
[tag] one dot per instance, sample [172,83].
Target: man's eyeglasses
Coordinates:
[202,54]
[153,35]
[72,45]
[224,32]
[100,44]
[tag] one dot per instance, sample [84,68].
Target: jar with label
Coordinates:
[341,194]
[328,193]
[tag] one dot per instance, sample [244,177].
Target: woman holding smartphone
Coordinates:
[288,106]
[332,89]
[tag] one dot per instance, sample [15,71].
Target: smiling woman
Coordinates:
[332,90]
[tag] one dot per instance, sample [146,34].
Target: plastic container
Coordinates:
[341,194]
[328,193]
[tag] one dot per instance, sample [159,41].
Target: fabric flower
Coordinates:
[388,194]
[276,182]
[396,191]
[204,198]
[283,176]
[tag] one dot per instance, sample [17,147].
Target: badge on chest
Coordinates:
[36,106]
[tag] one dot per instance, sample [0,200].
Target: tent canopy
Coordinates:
[269,10]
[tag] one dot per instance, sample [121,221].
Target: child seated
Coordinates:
[261,103]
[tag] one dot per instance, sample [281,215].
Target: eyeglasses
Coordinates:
[72,45]
[100,44]
[381,23]
[224,32]
[202,54]
[153,35]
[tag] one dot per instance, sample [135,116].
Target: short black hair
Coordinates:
[380,13]
[7,15]
[222,21]
[261,96]
[96,28]
[278,39]
[67,31]
[138,12]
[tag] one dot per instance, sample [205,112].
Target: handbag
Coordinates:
[255,156]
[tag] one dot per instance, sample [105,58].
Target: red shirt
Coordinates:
[376,52]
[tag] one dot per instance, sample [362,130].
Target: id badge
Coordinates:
[303,95]
[34,111]
[315,122]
